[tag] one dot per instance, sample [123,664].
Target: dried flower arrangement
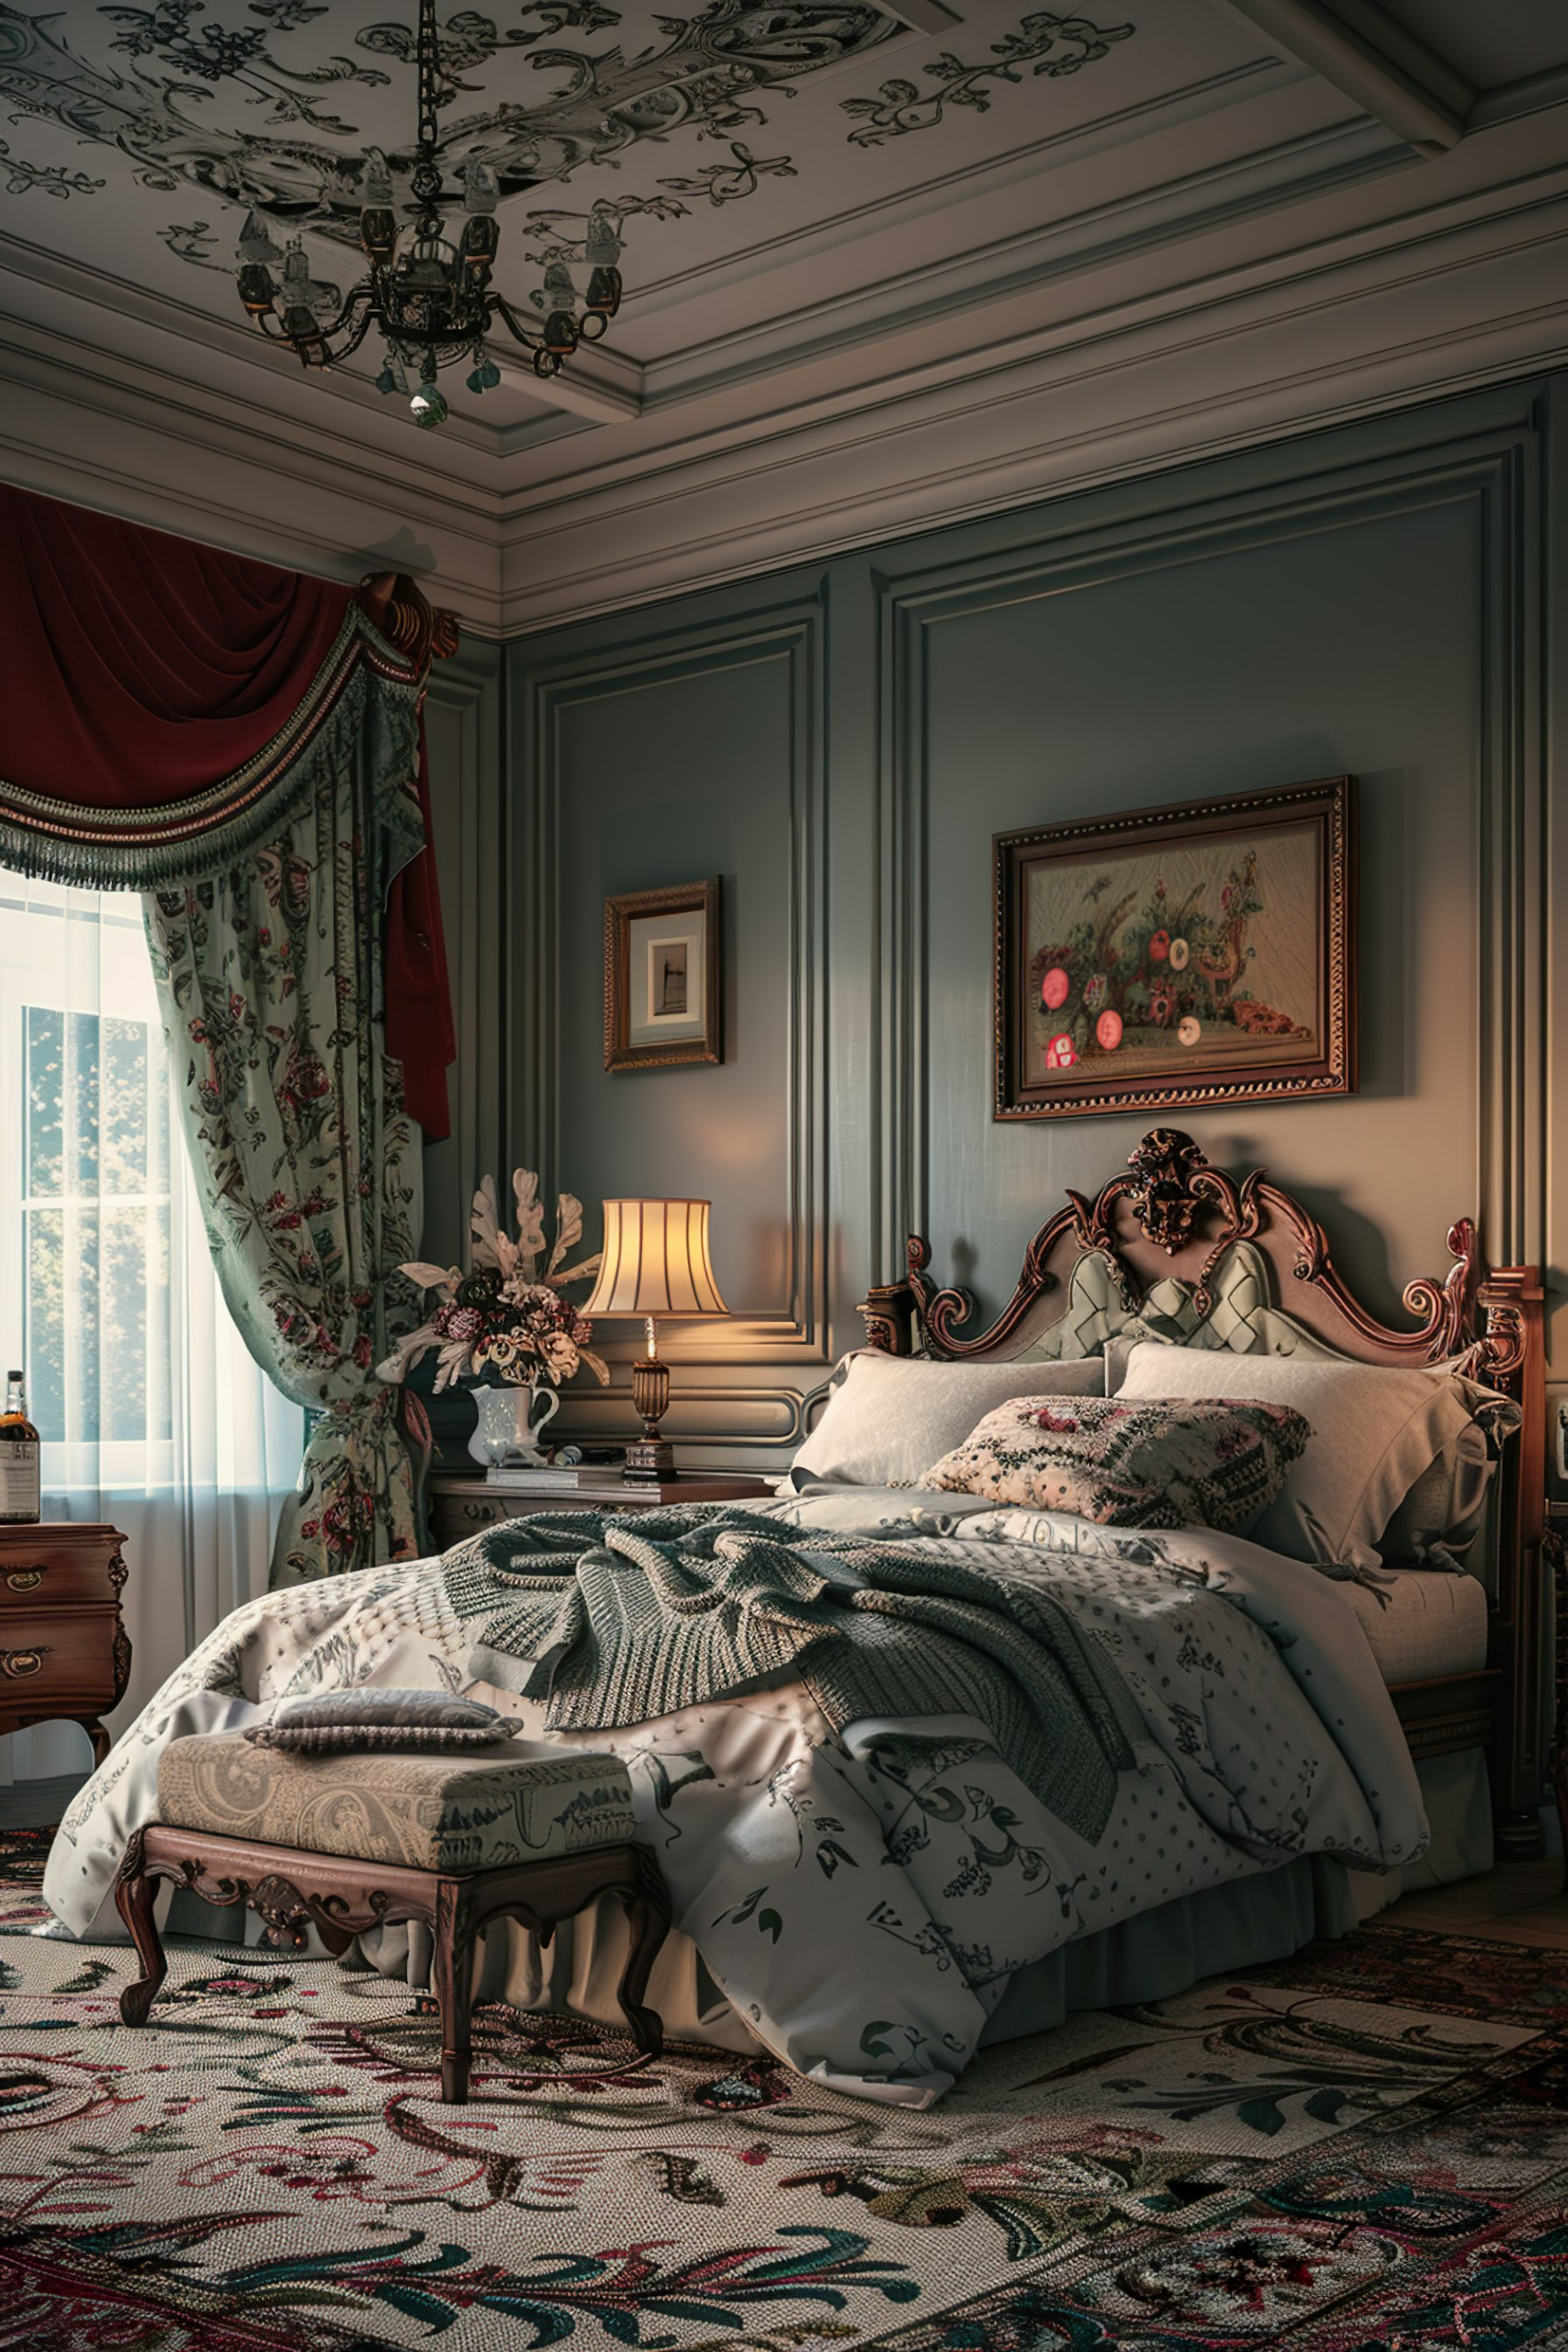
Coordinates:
[503,1319]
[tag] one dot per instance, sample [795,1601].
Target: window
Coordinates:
[105,1275]
[152,1411]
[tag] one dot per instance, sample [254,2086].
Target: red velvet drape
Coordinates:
[140,669]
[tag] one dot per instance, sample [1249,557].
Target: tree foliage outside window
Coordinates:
[95,1215]
[87,1283]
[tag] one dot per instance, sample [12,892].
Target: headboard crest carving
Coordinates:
[1171,1205]
[1169,1189]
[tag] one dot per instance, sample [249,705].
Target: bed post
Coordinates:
[888,1312]
[1513,1358]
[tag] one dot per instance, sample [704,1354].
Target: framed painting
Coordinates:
[662,989]
[1172,957]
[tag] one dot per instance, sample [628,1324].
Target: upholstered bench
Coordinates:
[344,1842]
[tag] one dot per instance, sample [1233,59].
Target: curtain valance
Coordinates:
[170,706]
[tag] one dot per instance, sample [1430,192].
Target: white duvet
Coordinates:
[861,1900]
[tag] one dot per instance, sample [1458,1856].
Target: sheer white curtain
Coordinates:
[152,1414]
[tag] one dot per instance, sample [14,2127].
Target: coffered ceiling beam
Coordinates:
[1389,73]
[602,385]
[926,15]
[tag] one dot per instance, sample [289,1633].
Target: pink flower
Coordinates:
[1159,947]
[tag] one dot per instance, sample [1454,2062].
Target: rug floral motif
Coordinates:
[1365,2146]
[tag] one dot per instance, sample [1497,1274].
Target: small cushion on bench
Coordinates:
[519,1801]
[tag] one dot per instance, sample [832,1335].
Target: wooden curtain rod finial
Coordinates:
[407,619]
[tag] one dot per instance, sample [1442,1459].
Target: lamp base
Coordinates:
[650,1462]
[650,1458]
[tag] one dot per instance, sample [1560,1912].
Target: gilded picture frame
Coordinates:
[1178,956]
[663,978]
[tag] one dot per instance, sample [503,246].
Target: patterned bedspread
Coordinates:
[862,1896]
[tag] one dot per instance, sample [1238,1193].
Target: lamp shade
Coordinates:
[656,1261]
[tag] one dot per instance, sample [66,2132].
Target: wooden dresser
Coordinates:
[65,1651]
[461,1505]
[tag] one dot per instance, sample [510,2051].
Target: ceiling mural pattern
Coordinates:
[1050,45]
[154,87]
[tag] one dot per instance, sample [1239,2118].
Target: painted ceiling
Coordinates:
[139,138]
[830,208]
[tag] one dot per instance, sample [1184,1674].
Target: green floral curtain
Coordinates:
[271,981]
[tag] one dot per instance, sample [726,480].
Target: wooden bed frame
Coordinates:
[1171,1215]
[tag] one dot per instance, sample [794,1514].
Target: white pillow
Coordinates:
[1375,1430]
[890,1417]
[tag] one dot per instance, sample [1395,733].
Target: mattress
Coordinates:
[1423,1622]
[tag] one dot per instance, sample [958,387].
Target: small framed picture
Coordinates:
[662,987]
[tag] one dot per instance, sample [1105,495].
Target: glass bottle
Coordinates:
[20,1485]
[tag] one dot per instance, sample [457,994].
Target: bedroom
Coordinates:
[1064,418]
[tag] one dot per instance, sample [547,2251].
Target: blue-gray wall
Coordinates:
[839,745]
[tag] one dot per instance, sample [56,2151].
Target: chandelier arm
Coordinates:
[520,330]
[356,295]
[359,329]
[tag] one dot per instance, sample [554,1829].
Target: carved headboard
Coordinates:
[1174,1246]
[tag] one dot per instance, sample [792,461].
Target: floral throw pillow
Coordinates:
[1187,1463]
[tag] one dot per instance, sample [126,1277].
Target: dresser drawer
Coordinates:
[39,1566]
[55,1653]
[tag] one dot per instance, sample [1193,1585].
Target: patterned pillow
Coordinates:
[1214,1462]
[366,1717]
[313,1739]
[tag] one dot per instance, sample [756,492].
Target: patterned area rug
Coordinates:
[1367,2146]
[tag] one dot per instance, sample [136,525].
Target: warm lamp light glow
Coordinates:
[656,1261]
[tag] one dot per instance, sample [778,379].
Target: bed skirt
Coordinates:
[1242,1924]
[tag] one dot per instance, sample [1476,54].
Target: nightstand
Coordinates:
[63,1647]
[460,1506]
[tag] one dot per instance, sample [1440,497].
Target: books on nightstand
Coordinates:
[557,1477]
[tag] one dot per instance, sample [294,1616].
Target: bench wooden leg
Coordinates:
[648,1916]
[293,1890]
[452,1977]
[135,1900]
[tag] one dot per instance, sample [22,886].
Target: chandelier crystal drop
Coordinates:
[428,289]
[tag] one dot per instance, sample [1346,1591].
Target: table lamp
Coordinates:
[655,1263]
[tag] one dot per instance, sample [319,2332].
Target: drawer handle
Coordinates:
[19,1662]
[25,1579]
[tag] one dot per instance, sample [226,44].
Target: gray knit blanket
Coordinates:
[616,1620]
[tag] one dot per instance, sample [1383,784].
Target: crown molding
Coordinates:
[1222,196]
[1158,384]
[157,447]
[1279,314]
[1198,102]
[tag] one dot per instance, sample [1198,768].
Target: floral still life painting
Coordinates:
[1177,956]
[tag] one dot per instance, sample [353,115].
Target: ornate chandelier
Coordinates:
[428,291]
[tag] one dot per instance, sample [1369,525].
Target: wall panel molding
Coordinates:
[1484,455]
[463,727]
[590,667]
